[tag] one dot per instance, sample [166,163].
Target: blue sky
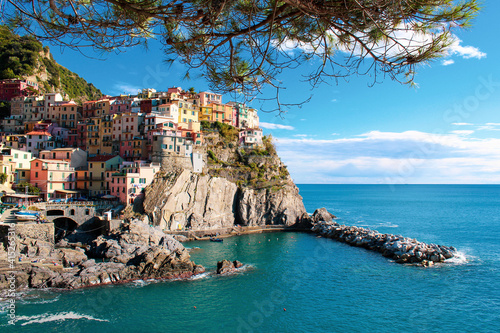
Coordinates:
[445,131]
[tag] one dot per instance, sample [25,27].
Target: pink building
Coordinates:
[128,183]
[51,176]
[207,97]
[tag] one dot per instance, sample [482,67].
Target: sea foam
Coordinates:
[48,317]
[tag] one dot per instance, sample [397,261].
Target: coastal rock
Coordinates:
[322,215]
[203,202]
[40,277]
[401,249]
[71,256]
[265,207]
[137,251]
[225,267]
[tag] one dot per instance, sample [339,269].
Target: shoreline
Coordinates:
[401,249]
[206,234]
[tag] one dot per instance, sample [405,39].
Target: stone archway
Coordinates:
[63,227]
[55,212]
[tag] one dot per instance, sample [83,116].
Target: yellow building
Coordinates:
[93,179]
[93,146]
[102,107]
[106,134]
[188,112]
[206,113]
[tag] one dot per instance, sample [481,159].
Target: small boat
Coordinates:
[27,216]
[213,239]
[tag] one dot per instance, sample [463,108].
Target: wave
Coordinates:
[200,276]
[39,300]
[47,318]
[459,258]
[387,225]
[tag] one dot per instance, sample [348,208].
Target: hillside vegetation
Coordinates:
[258,168]
[24,57]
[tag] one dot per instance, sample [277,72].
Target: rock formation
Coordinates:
[226,266]
[403,250]
[203,202]
[138,251]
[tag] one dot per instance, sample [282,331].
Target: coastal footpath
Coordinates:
[402,250]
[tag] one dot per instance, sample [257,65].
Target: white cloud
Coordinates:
[276,126]
[466,52]
[123,87]
[301,135]
[488,127]
[401,40]
[462,124]
[334,100]
[335,134]
[392,157]
[463,132]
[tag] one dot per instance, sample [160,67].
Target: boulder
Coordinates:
[322,215]
[225,267]
[70,256]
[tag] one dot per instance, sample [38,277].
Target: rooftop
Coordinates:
[101,158]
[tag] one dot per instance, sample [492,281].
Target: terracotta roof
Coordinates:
[39,133]
[54,161]
[101,158]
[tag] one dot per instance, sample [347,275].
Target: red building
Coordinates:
[146,106]
[13,88]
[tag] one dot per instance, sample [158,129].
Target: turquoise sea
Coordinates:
[296,282]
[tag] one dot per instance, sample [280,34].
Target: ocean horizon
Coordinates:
[298,282]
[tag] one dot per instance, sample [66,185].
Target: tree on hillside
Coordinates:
[242,45]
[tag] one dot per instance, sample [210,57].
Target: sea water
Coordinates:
[297,282]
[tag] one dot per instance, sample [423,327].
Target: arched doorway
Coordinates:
[63,227]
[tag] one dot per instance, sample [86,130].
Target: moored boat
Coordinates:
[27,216]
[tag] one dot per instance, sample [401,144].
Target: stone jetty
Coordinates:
[402,250]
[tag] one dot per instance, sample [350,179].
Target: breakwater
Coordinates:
[403,250]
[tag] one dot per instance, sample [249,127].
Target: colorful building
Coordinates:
[52,175]
[12,160]
[250,138]
[76,156]
[131,179]
[93,178]
[37,141]
[14,88]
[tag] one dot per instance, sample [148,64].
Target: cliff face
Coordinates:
[206,202]
[238,187]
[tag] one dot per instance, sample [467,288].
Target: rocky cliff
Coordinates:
[247,187]
[136,251]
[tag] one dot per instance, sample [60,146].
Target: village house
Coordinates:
[12,160]
[132,177]
[37,141]
[250,138]
[76,156]
[51,176]
[92,178]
